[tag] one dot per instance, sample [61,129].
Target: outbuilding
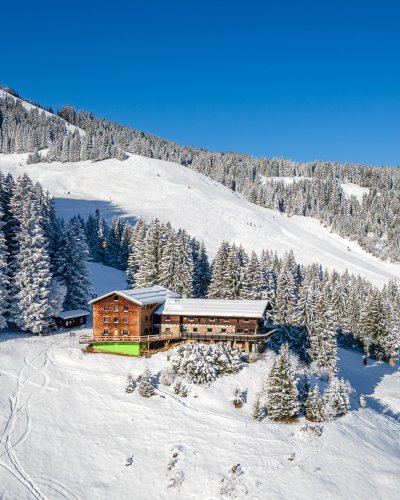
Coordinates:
[72,319]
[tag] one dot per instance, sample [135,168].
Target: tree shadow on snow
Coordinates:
[67,207]
[365,379]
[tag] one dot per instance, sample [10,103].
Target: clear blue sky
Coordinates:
[302,79]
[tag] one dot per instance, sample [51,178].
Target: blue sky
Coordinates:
[301,79]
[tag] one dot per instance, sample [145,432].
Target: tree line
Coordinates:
[372,221]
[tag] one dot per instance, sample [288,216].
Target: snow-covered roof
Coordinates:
[142,296]
[75,313]
[213,307]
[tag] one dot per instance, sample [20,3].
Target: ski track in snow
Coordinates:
[20,408]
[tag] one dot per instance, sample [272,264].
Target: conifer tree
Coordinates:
[254,283]
[201,274]
[33,276]
[145,387]
[285,302]
[73,255]
[217,281]
[4,280]
[282,392]
[258,411]
[315,405]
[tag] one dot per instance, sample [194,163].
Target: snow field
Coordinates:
[178,446]
[141,187]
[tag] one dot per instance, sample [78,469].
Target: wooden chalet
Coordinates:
[141,319]
[239,322]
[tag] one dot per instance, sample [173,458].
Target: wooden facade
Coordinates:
[154,317]
[116,317]
[207,324]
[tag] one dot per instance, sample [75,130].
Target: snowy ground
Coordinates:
[67,429]
[146,188]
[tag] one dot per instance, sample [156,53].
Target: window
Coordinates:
[106,331]
[125,320]
[226,320]
[212,319]
[106,319]
[195,329]
[146,318]
[190,318]
[167,317]
[125,332]
[106,309]
[115,309]
[252,330]
[209,330]
[223,330]
[126,309]
[246,320]
[116,297]
[239,330]
[115,320]
[168,330]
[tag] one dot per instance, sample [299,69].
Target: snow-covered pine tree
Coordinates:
[136,250]
[33,276]
[202,273]
[322,337]
[258,411]
[96,233]
[286,295]
[168,264]
[217,281]
[237,398]
[147,274]
[314,408]
[282,393]
[373,320]
[184,266]
[145,387]
[232,276]
[336,398]
[254,282]
[72,257]
[195,363]
[130,385]
[4,279]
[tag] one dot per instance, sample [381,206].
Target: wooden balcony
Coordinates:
[183,335]
[89,339]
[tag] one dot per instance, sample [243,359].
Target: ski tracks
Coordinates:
[25,393]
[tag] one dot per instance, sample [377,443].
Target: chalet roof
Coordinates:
[142,296]
[75,313]
[213,307]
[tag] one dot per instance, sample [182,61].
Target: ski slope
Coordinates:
[145,188]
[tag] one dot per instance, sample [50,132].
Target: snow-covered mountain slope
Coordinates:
[67,429]
[141,187]
[28,106]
